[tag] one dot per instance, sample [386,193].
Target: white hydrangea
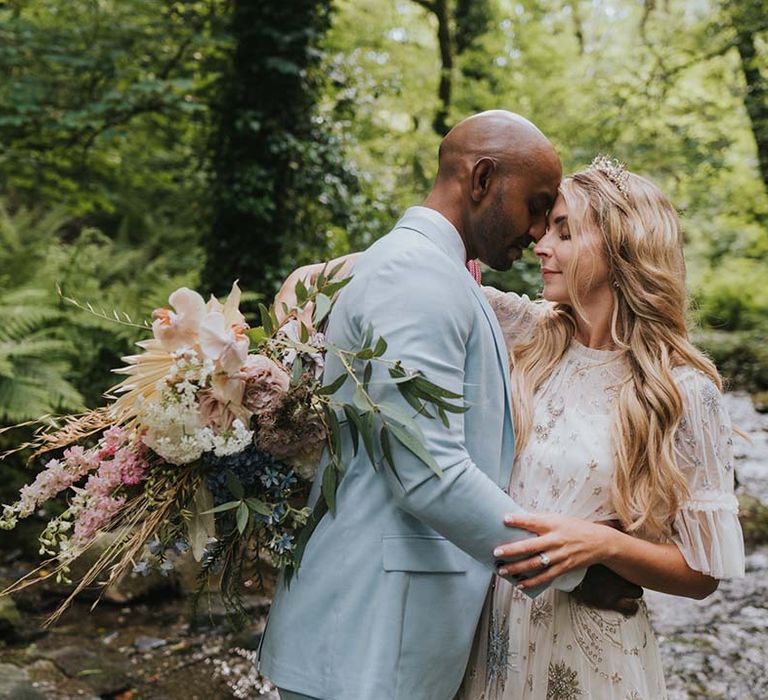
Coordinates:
[175,432]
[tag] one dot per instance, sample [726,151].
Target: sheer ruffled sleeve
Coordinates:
[707,528]
[516,313]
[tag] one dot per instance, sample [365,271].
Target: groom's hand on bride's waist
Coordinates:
[606,590]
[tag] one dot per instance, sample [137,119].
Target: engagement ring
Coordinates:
[545,560]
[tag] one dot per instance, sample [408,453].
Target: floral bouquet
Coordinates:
[210,442]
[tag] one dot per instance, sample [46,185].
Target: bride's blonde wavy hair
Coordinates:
[642,243]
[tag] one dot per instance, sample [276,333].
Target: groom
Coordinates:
[390,590]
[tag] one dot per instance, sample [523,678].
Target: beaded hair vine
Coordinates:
[614,171]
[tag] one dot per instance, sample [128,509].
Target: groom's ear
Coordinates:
[482,173]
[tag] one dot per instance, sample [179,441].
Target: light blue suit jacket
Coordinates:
[391,588]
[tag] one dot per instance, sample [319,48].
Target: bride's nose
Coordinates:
[543,249]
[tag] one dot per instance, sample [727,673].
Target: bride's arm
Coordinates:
[308,274]
[572,542]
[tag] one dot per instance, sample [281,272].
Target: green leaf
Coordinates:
[367,432]
[329,487]
[298,368]
[443,417]
[335,428]
[234,485]
[367,372]
[361,400]
[355,425]
[321,508]
[257,336]
[415,445]
[224,506]
[396,414]
[386,447]
[266,320]
[303,332]
[332,287]
[258,506]
[368,336]
[417,404]
[301,292]
[333,387]
[434,390]
[242,516]
[364,354]
[381,347]
[322,308]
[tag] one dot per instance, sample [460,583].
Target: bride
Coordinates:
[618,417]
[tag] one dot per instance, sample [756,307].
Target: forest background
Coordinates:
[149,144]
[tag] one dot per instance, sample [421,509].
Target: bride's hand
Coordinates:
[308,274]
[567,542]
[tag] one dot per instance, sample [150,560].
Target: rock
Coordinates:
[10,619]
[128,587]
[15,684]
[760,401]
[143,643]
[49,680]
[104,672]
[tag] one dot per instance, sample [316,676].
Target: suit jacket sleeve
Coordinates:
[426,317]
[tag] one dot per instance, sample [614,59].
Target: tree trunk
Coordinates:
[263,132]
[756,97]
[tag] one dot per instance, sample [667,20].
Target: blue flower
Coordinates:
[180,547]
[142,568]
[283,544]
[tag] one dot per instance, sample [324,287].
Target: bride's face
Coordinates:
[567,263]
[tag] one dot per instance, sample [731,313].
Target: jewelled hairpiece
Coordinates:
[614,171]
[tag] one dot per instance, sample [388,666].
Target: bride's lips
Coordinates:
[546,271]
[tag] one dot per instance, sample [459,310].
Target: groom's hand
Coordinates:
[606,590]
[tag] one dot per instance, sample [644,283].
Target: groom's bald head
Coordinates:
[515,143]
[497,177]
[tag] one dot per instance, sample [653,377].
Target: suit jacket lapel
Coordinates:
[426,229]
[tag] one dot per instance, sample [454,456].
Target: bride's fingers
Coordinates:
[533,564]
[525,548]
[539,524]
[546,576]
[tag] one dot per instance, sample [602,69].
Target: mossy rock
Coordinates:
[753,514]
[760,401]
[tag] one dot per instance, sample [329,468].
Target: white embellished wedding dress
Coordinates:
[553,648]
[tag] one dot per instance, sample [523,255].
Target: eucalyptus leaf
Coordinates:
[241,517]
[329,487]
[381,347]
[355,425]
[333,387]
[360,400]
[386,447]
[415,445]
[266,320]
[322,308]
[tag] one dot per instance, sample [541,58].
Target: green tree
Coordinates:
[279,180]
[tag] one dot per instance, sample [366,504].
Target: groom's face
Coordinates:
[516,214]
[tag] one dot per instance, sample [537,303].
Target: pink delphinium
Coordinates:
[95,513]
